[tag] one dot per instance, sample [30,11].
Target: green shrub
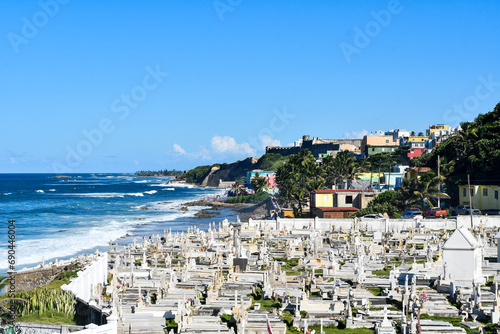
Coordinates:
[254,198]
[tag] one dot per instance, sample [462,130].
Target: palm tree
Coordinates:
[343,161]
[260,183]
[235,188]
[422,190]
[297,177]
[465,139]
[406,194]
[352,170]
[328,166]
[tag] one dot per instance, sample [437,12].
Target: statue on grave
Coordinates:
[429,254]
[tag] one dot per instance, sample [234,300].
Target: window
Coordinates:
[373,149]
[485,192]
[387,141]
[463,192]
[348,199]
[496,194]
[325,198]
[472,192]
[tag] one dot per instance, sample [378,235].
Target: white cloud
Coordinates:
[224,144]
[228,144]
[266,140]
[355,134]
[178,149]
[203,153]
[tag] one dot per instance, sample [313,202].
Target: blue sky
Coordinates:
[120,86]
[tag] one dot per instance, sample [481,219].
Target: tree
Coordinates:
[260,183]
[236,188]
[351,172]
[344,163]
[297,178]
[421,191]
[475,150]
[386,202]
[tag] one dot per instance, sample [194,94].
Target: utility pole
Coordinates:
[439,178]
[389,179]
[378,183]
[470,203]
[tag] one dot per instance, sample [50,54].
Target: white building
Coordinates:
[462,259]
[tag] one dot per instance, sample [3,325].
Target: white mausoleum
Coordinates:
[462,259]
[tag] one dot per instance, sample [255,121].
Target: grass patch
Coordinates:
[52,317]
[268,304]
[383,272]
[287,317]
[288,263]
[315,294]
[375,291]
[265,304]
[334,330]
[56,284]
[293,273]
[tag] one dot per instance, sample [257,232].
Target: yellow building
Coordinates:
[341,203]
[436,128]
[417,139]
[483,197]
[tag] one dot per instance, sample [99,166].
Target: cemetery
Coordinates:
[302,275]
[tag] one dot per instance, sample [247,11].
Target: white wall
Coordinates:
[110,328]
[384,225]
[88,279]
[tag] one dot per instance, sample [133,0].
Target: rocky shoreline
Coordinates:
[244,210]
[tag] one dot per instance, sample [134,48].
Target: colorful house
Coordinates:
[270,177]
[371,144]
[437,128]
[416,150]
[484,197]
[340,203]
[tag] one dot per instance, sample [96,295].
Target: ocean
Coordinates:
[60,218]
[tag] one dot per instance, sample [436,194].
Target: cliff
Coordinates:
[229,172]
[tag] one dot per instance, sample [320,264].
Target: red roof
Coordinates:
[333,191]
[337,209]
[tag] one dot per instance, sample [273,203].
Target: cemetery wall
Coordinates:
[34,278]
[383,225]
[85,285]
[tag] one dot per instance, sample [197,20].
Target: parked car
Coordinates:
[464,210]
[434,212]
[373,216]
[491,212]
[412,213]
